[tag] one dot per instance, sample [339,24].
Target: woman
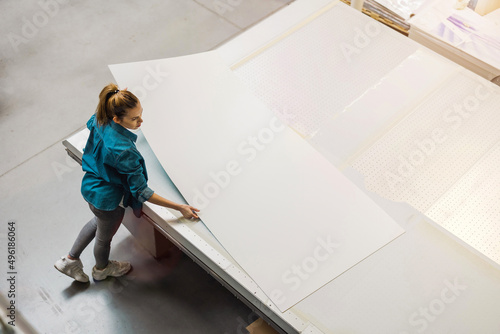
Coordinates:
[114,172]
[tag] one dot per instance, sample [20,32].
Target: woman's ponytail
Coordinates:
[114,102]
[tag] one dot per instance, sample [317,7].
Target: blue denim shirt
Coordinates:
[114,168]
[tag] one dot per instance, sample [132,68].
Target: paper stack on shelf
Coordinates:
[461,35]
[404,9]
[385,14]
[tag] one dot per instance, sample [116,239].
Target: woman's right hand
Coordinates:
[188,211]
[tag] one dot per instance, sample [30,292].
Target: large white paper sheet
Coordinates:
[320,69]
[289,218]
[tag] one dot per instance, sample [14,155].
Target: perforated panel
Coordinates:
[421,157]
[321,68]
[443,159]
[471,208]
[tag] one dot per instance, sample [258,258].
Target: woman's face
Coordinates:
[132,120]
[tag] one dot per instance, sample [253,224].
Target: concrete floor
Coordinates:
[54,57]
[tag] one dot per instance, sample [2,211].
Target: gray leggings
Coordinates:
[103,227]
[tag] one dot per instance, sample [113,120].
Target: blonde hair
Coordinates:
[114,102]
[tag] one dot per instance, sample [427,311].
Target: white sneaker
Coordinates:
[114,269]
[72,268]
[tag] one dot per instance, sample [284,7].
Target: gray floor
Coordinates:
[53,64]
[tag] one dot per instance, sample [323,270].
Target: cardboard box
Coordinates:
[259,326]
